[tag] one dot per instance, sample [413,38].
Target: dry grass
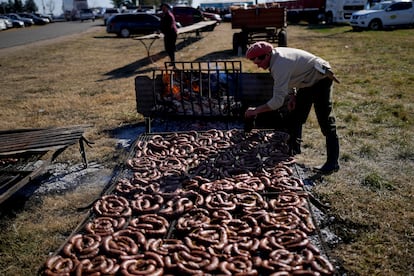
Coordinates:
[90,80]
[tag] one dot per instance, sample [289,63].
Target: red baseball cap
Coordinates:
[259,49]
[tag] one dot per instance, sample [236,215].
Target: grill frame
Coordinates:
[219,83]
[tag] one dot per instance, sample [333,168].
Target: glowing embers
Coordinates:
[192,92]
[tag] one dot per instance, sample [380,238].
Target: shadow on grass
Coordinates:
[126,132]
[219,55]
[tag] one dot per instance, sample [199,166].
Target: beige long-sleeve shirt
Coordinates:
[292,68]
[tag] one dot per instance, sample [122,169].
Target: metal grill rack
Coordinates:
[204,90]
[172,190]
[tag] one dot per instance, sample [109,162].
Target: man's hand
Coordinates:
[291,103]
[250,112]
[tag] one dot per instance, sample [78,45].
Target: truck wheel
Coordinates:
[293,17]
[236,43]
[329,18]
[282,39]
[125,33]
[375,25]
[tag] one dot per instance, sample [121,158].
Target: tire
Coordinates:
[375,25]
[236,43]
[124,33]
[282,39]
[293,17]
[328,18]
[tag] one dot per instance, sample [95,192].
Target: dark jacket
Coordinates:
[168,25]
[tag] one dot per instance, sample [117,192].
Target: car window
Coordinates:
[380,6]
[179,11]
[111,11]
[400,6]
[127,17]
[138,18]
[118,18]
[151,19]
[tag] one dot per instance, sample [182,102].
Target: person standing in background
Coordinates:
[169,29]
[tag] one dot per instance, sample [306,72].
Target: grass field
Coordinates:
[89,79]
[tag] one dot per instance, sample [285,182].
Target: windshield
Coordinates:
[380,6]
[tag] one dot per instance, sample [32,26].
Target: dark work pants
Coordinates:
[318,95]
[169,44]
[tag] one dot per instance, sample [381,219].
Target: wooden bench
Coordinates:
[197,28]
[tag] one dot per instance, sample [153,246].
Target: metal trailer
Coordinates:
[256,24]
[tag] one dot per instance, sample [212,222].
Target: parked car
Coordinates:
[15,23]
[86,14]
[187,15]
[126,24]
[27,21]
[3,25]
[46,16]
[36,19]
[7,21]
[212,16]
[384,14]
[108,12]
[227,17]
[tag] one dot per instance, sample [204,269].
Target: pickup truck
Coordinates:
[86,14]
[384,14]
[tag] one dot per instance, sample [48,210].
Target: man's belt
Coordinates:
[324,70]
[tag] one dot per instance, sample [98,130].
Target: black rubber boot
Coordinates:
[332,152]
[294,146]
[295,140]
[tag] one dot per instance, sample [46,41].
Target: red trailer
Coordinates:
[258,23]
[306,10]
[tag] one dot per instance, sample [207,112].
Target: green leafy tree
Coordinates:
[156,3]
[117,3]
[30,6]
[4,7]
[18,6]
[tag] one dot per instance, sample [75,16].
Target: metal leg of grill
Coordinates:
[147,124]
[83,140]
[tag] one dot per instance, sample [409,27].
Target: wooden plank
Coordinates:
[38,139]
[200,26]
